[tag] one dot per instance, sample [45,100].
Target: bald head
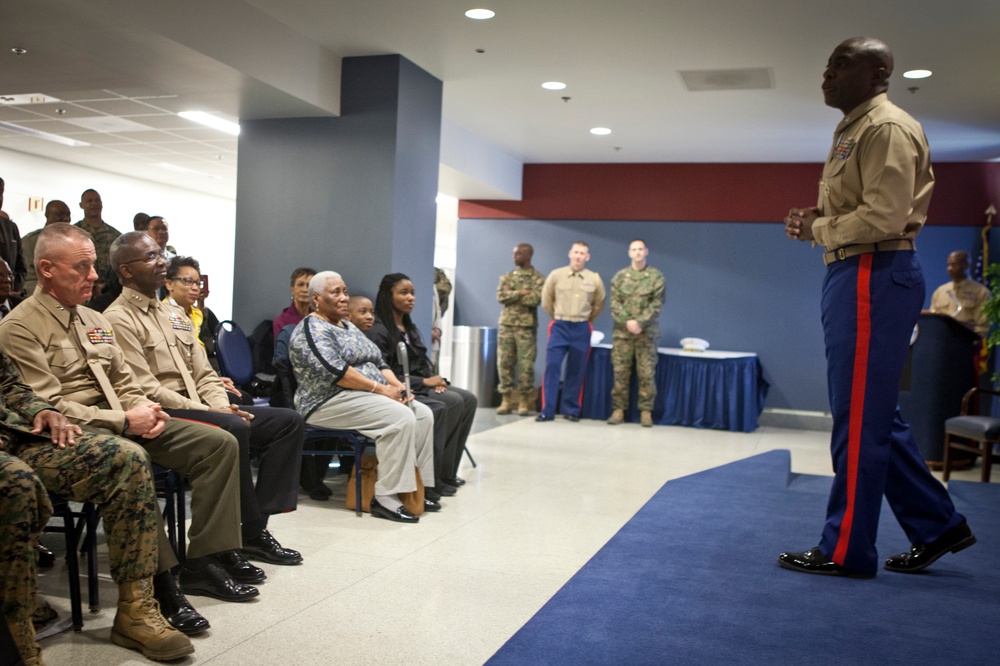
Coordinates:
[874,50]
[57,211]
[857,70]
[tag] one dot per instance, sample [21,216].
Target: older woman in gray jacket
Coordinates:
[344,383]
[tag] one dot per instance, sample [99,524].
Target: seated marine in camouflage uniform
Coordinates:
[637,294]
[111,472]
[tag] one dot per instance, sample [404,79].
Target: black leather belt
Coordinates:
[846,251]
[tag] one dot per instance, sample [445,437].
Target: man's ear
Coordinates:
[45,268]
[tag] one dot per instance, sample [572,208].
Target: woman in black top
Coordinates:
[454,408]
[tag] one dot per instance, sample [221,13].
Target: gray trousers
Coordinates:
[404,436]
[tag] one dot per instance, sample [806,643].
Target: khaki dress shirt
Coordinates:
[156,336]
[61,353]
[877,180]
[573,296]
[971,295]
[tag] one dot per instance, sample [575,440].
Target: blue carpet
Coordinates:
[692,579]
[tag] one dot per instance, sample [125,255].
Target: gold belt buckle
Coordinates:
[841,254]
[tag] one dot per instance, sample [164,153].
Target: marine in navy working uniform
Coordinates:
[873,200]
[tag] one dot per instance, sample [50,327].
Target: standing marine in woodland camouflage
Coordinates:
[637,294]
[520,291]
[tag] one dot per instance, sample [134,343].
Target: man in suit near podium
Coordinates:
[873,198]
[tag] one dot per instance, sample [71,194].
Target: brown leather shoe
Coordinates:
[139,625]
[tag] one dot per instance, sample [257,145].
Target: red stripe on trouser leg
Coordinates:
[579,399]
[859,378]
[548,334]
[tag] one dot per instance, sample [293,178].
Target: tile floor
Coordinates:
[451,590]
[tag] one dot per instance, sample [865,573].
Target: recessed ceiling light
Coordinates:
[917,74]
[600,131]
[553,85]
[480,14]
[211,121]
[54,138]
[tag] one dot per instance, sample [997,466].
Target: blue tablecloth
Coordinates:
[719,393]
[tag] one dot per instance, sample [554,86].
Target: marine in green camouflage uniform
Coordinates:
[520,292]
[109,471]
[637,295]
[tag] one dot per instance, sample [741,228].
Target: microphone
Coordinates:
[404,359]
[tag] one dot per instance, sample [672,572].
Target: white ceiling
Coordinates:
[144,61]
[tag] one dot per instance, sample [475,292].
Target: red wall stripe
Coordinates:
[712,192]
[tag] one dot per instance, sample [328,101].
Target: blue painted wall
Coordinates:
[741,286]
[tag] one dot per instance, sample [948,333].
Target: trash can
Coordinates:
[474,361]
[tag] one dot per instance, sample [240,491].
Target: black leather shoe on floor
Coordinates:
[919,558]
[815,562]
[443,489]
[46,558]
[213,581]
[432,494]
[239,569]
[267,549]
[175,607]
[400,515]
[542,418]
[456,481]
[572,417]
[431,505]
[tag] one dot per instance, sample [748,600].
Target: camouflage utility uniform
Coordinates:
[635,295]
[103,236]
[109,471]
[516,340]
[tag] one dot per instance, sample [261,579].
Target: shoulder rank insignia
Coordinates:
[179,323]
[845,148]
[100,336]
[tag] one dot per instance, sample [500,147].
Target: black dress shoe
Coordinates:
[542,418]
[815,562]
[400,515]
[920,557]
[46,558]
[443,489]
[175,607]
[319,496]
[572,417]
[431,505]
[266,548]
[431,494]
[456,481]
[239,569]
[213,581]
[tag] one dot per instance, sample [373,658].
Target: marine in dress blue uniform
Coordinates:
[873,201]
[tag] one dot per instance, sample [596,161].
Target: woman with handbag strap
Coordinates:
[344,383]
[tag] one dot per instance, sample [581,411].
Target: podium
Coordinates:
[940,371]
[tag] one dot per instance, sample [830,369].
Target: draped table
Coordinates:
[710,389]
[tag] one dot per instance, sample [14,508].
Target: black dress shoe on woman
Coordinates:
[813,561]
[920,557]
[400,515]
[211,580]
[456,481]
[431,505]
[175,607]
[443,489]
[239,569]
[432,494]
[266,548]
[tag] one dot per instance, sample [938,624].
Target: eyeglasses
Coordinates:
[188,281]
[149,258]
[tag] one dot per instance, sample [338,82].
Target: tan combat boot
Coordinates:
[23,634]
[505,406]
[139,625]
[524,404]
[646,419]
[617,417]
